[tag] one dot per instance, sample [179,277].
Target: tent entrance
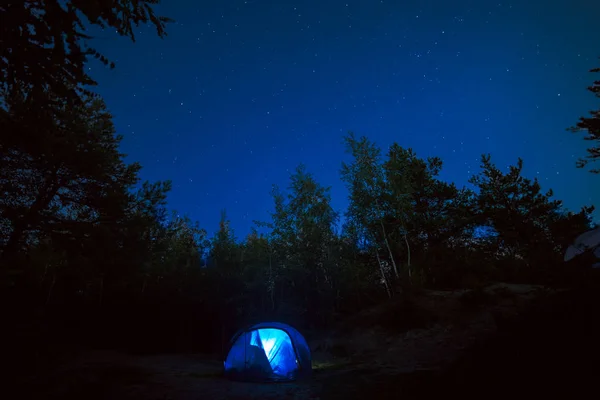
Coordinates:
[265,354]
[278,349]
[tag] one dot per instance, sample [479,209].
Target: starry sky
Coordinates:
[240,92]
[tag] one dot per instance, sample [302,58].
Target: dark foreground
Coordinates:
[551,349]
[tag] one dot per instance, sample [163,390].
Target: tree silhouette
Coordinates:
[45,44]
[303,236]
[532,228]
[591,127]
[61,169]
[365,179]
[81,238]
[411,220]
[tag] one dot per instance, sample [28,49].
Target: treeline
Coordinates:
[89,255]
[83,249]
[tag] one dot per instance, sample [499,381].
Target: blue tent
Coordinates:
[269,351]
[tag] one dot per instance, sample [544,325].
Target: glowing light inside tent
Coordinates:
[278,349]
[269,345]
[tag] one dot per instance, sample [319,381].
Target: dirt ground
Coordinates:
[373,362]
[112,375]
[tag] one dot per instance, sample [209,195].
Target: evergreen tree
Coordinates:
[525,219]
[224,251]
[591,126]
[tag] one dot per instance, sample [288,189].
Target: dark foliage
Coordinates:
[45,42]
[89,255]
[591,127]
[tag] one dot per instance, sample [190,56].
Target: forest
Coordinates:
[92,255]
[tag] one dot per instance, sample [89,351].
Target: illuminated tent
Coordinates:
[587,242]
[269,351]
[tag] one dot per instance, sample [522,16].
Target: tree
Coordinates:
[303,235]
[526,220]
[425,214]
[259,274]
[176,252]
[123,249]
[359,284]
[397,199]
[398,203]
[513,205]
[365,180]
[591,126]
[224,250]
[45,45]
[61,171]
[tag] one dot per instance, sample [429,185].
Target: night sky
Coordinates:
[241,92]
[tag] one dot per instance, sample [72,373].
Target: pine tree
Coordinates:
[225,251]
[591,127]
[527,221]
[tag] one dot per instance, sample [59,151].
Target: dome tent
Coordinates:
[588,242]
[269,351]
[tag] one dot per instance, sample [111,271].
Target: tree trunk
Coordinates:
[387,244]
[408,261]
[387,288]
[271,283]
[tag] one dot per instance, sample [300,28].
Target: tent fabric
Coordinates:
[589,240]
[269,351]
